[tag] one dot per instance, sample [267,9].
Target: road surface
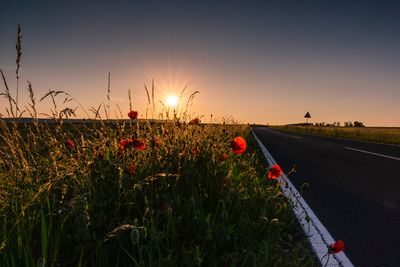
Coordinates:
[354,190]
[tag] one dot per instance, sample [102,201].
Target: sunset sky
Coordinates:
[256,61]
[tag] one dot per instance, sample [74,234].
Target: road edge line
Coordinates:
[317,234]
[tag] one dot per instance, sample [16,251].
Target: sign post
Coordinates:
[307,116]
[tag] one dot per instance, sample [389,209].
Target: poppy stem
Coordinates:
[297,200]
[327,259]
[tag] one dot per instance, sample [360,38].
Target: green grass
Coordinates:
[82,207]
[372,134]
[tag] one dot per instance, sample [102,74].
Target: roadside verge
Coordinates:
[317,234]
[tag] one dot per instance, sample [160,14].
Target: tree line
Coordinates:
[334,124]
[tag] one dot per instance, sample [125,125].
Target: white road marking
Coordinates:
[372,153]
[316,232]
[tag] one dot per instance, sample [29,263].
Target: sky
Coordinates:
[253,61]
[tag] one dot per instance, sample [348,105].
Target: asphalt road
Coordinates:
[354,190]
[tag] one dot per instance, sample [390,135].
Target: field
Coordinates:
[371,134]
[175,195]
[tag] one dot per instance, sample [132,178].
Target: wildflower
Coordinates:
[124,144]
[139,144]
[274,172]
[223,157]
[194,121]
[132,168]
[196,151]
[336,247]
[133,114]
[238,145]
[69,143]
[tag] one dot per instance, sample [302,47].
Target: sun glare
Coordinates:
[172,101]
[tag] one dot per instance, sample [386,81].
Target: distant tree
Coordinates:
[358,124]
[307,116]
[338,124]
[348,124]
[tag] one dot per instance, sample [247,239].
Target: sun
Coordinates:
[172,101]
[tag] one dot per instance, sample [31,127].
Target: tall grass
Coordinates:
[71,195]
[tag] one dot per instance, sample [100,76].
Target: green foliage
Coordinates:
[82,206]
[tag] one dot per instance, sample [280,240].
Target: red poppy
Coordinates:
[124,144]
[223,157]
[238,145]
[139,144]
[336,247]
[274,172]
[69,143]
[196,151]
[133,114]
[132,168]
[194,121]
